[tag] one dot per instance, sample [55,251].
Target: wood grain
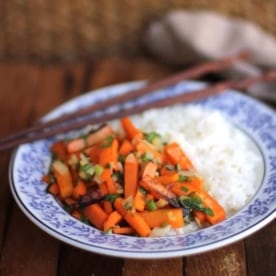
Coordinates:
[261,251]
[74,261]
[14,82]
[228,261]
[30,247]
[26,249]
[153,267]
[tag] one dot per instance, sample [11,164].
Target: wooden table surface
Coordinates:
[27,92]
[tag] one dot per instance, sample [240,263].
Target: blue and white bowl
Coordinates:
[31,161]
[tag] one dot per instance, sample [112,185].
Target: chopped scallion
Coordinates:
[151,136]
[183,178]
[98,169]
[108,141]
[111,197]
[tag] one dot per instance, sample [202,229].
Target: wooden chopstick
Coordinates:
[193,72]
[181,98]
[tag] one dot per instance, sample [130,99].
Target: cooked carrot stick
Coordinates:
[63,177]
[183,189]
[107,206]
[139,201]
[209,202]
[150,169]
[137,222]
[93,152]
[168,179]
[69,201]
[123,230]
[97,136]
[53,189]
[119,205]
[112,219]
[76,214]
[196,182]
[144,147]
[130,129]
[59,149]
[177,156]
[126,147]
[103,188]
[106,177]
[79,190]
[96,215]
[161,217]
[46,178]
[200,218]
[108,155]
[76,145]
[158,190]
[165,170]
[131,174]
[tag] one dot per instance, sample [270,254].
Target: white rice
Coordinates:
[224,156]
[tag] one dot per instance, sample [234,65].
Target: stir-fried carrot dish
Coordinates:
[129,184]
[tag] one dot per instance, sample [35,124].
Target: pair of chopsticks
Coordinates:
[68,121]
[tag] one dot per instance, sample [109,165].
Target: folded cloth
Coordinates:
[187,37]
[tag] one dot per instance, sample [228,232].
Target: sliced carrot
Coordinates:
[200,218]
[119,205]
[106,177]
[209,202]
[76,214]
[144,147]
[177,156]
[126,147]
[158,190]
[59,149]
[63,177]
[183,189]
[46,178]
[130,129]
[107,206]
[139,201]
[150,169]
[103,188]
[166,171]
[76,145]
[123,230]
[93,152]
[112,219]
[196,182]
[168,179]
[108,155]
[97,136]
[96,215]
[79,190]
[115,154]
[53,189]
[161,217]
[131,174]
[138,223]
[69,201]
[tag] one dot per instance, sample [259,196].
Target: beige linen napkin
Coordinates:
[187,37]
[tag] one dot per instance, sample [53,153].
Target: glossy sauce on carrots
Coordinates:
[129,184]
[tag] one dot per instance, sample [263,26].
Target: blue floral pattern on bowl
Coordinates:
[31,161]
